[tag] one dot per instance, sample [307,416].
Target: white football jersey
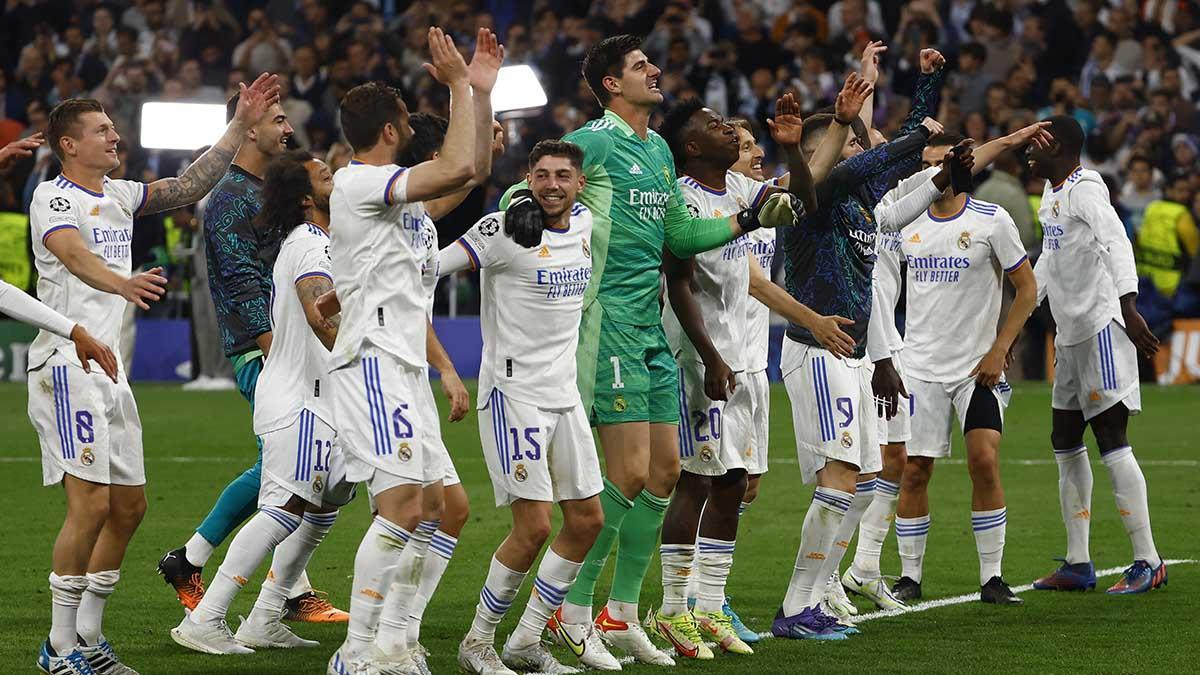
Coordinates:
[532,301]
[429,264]
[1087,260]
[758,316]
[294,376]
[105,224]
[955,282]
[721,277]
[377,247]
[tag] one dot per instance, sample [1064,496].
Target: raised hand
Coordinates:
[931,60]
[497,139]
[788,126]
[851,98]
[255,100]
[870,60]
[144,287]
[89,348]
[961,163]
[19,149]
[447,65]
[935,127]
[1036,134]
[486,61]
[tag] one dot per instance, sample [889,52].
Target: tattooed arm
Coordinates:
[325,328]
[196,180]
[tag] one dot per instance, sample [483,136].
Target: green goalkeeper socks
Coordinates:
[639,541]
[616,507]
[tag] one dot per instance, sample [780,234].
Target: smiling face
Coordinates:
[555,182]
[750,156]
[271,134]
[92,144]
[322,183]
[638,83]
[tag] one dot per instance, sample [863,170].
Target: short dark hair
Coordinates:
[366,110]
[1139,159]
[814,129]
[429,131]
[555,148]
[285,185]
[1066,132]
[674,121]
[64,120]
[742,123]
[605,58]
[943,139]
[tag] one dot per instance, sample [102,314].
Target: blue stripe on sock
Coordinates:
[493,604]
[396,532]
[551,595]
[321,519]
[887,487]
[442,545]
[283,518]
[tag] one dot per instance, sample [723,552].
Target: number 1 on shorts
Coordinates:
[616,364]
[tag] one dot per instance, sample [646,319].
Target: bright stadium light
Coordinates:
[181,126]
[517,88]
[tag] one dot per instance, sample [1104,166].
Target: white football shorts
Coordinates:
[87,425]
[439,466]
[936,403]
[303,459]
[833,409]
[377,404]
[1097,374]
[760,422]
[538,454]
[714,436]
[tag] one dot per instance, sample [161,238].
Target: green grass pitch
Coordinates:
[196,442]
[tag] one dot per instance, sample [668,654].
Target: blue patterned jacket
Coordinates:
[238,278]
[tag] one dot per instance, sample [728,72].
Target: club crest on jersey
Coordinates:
[489,227]
[520,474]
[847,439]
[318,485]
[587,250]
[694,210]
[619,403]
[88,458]
[964,240]
[1054,208]
[60,204]
[706,453]
[405,452]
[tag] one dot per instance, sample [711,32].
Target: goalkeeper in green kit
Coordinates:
[626,373]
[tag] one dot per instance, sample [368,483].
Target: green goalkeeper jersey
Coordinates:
[636,209]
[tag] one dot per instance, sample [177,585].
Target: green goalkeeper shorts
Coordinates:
[632,374]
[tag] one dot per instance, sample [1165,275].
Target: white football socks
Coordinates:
[374,570]
[441,549]
[911,534]
[495,598]
[392,636]
[554,577]
[197,550]
[287,566]
[91,605]
[1075,500]
[873,529]
[1129,487]
[260,535]
[864,496]
[989,529]
[677,561]
[65,595]
[821,523]
[713,563]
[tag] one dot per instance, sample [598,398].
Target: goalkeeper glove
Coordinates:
[782,209]
[523,219]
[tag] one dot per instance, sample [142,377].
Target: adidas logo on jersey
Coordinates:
[635,170]
[544,252]
[915,239]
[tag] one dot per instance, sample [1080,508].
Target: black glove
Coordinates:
[961,164]
[523,219]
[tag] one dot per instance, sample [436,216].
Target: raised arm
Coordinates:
[455,163]
[850,102]
[786,129]
[1035,134]
[200,177]
[853,173]
[719,380]
[869,69]
[929,89]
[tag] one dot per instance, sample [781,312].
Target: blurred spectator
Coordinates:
[969,81]
[1139,190]
[264,50]
[1167,240]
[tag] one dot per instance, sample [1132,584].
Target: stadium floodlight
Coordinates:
[181,126]
[517,89]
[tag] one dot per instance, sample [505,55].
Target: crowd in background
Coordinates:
[1127,70]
